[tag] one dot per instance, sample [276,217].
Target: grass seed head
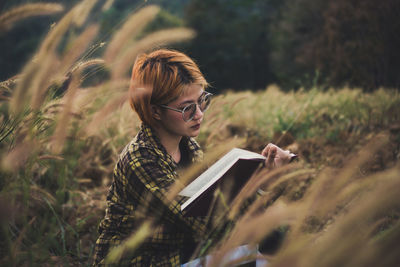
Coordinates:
[10,17]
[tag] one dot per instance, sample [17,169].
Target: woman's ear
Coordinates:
[156,112]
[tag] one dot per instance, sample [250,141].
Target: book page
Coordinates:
[213,173]
[228,184]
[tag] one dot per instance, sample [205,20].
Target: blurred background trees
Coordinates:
[248,44]
[232,43]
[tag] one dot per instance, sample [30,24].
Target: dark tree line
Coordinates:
[232,41]
[248,44]
[251,43]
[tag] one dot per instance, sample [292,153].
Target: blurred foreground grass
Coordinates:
[339,206]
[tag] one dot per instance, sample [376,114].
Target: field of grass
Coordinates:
[59,140]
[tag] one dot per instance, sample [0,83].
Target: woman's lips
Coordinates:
[196,127]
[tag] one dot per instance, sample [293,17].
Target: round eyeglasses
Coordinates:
[189,111]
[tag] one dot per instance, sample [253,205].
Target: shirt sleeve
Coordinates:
[149,179]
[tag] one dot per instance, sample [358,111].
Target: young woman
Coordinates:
[167,91]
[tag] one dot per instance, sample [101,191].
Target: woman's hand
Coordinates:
[276,156]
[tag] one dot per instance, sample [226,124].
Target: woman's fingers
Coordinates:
[266,150]
[271,154]
[276,156]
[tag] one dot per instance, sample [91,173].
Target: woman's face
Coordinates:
[172,121]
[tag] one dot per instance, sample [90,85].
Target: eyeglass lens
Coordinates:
[190,110]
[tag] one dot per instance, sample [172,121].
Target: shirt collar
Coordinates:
[194,149]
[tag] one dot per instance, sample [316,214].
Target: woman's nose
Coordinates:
[198,114]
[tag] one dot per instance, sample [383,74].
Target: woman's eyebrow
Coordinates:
[191,101]
[186,102]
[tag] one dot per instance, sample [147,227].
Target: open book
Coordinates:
[229,174]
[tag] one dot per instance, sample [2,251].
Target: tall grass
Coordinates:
[59,140]
[10,17]
[58,151]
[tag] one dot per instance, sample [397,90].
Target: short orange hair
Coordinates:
[159,78]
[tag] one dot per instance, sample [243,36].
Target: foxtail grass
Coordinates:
[149,42]
[35,75]
[18,13]
[131,28]
[51,119]
[107,5]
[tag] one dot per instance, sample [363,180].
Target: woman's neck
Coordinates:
[170,143]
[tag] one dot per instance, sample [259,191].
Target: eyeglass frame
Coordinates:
[182,111]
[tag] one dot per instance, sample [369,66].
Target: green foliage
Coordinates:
[163,20]
[357,44]
[296,23]
[249,44]
[110,19]
[347,41]
[231,43]
[332,116]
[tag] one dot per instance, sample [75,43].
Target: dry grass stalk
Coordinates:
[77,47]
[332,189]
[358,188]
[18,156]
[265,179]
[340,244]
[85,98]
[383,250]
[38,74]
[251,230]
[215,122]
[315,195]
[251,187]
[82,11]
[352,229]
[217,131]
[52,107]
[215,111]
[40,194]
[52,39]
[152,40]
[28,10]
[293,174]
[43,157]
[122,250]
[84,64]
[129,30]
[130,244]
[107,5]
[60,132]
[234,103]
[42,81]
[352,168]
[9,83]
[116,102]
[300,248]
[21,236]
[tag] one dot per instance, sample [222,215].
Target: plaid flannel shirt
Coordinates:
[142,176]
